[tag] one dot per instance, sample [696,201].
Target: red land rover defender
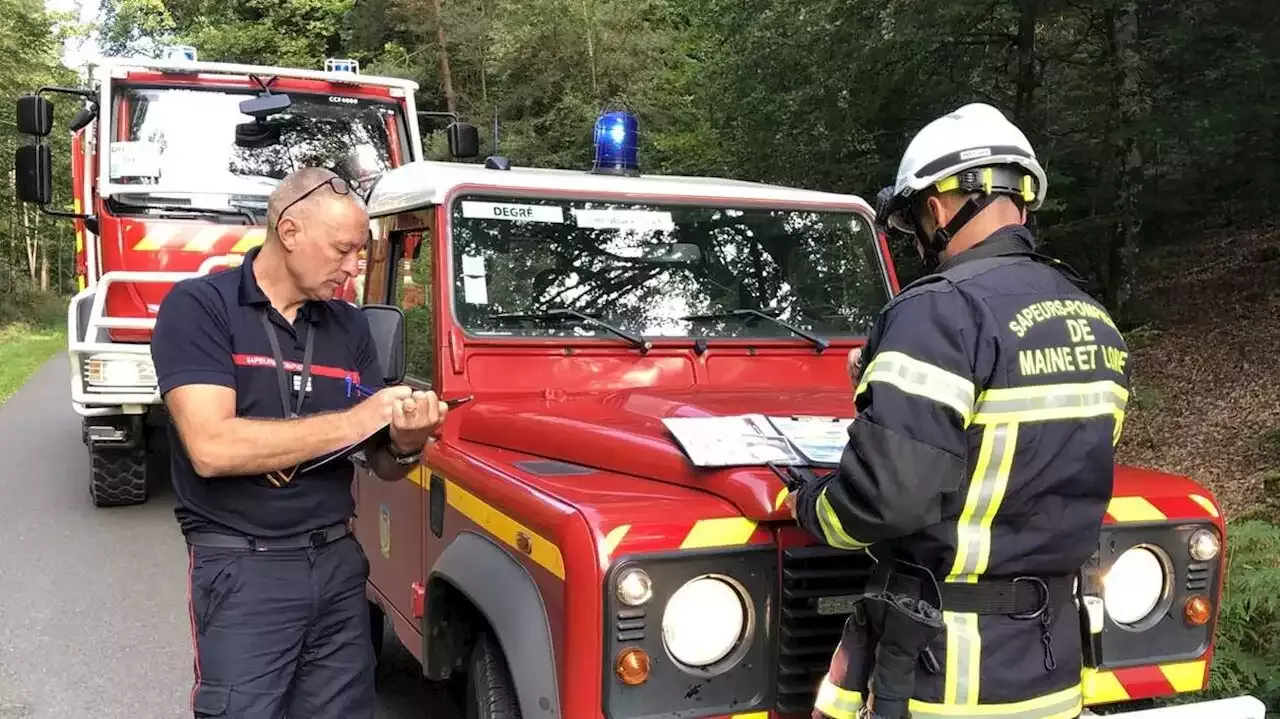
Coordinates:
[557,545]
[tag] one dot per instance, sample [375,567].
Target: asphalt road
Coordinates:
[93,619]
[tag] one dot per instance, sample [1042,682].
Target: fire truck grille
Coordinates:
[818,585]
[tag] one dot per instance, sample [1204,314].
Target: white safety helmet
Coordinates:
[977,138]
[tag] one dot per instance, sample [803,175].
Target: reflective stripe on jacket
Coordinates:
[991,398]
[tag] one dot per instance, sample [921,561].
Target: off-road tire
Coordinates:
[117,477]
[490,692]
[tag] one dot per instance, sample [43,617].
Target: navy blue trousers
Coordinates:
[281,634]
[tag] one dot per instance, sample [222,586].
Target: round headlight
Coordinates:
[1203,545]
[634,587]
[703,621]
[1133,586]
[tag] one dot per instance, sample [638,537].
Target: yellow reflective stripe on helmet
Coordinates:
[921,378]
[1049,402]
[832,529]
[1066,704]
[964,658]
[986,491]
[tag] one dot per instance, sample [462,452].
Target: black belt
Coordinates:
[1023,597]
[315,538]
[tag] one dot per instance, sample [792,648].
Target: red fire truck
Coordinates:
[171,164]
[560,553]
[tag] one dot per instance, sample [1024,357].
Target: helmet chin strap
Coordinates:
[936,243]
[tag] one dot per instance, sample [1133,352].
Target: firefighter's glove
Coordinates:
[910,624]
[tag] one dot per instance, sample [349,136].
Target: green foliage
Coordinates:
[1247,656]
[23,349]
[25,303]
[33,246]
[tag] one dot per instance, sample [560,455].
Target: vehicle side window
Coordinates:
[412,283]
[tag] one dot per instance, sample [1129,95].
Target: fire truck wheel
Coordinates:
[118,477]
[490,692]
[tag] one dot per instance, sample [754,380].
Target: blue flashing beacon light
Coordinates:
[617,140]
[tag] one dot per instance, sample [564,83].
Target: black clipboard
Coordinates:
[380,436]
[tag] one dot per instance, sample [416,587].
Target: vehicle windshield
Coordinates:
[179,143]
[661,270]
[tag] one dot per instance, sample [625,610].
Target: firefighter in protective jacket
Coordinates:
[990,396]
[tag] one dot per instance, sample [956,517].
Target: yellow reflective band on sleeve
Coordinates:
[1066,704]
[986,492]
[964,659]
[923,379]
[832,530]
[1043,403]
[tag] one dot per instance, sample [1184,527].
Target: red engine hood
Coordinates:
[623,432]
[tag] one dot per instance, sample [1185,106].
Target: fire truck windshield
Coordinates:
[180,142]
[661,270]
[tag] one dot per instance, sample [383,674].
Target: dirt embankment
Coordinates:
[1206,368]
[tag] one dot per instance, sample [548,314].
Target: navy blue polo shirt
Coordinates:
[208,331]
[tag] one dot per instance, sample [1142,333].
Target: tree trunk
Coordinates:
[1122,31]
[1023,103]
[44,266]
[446,77]
[29,238]
[591,50]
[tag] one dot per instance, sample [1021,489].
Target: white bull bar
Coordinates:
[135,397]
[1241,707]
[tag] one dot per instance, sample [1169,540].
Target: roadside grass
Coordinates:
[23,348]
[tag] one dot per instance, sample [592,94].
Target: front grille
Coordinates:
[1197,577]
[808,634]
[630,625]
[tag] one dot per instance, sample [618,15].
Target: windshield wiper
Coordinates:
[195,211]
[818,342]
[636,340]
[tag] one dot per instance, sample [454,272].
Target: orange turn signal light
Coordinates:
[633,666]
[1196,610]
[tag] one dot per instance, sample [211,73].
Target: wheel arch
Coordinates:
[500,590]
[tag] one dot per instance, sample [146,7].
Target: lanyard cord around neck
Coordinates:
[281,375]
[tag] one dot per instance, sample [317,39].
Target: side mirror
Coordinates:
[83,118]
[464,140]
[35,116]
[33,168]
[386,324]
[264,106]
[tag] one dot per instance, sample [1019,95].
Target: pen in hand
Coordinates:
[362,391]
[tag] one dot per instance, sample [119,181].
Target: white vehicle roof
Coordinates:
[121,64]
[420,184]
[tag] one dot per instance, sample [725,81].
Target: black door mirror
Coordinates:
[386,324]
[35,116]
[464,140]
[34,174]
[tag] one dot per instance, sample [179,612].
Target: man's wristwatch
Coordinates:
[404,459]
